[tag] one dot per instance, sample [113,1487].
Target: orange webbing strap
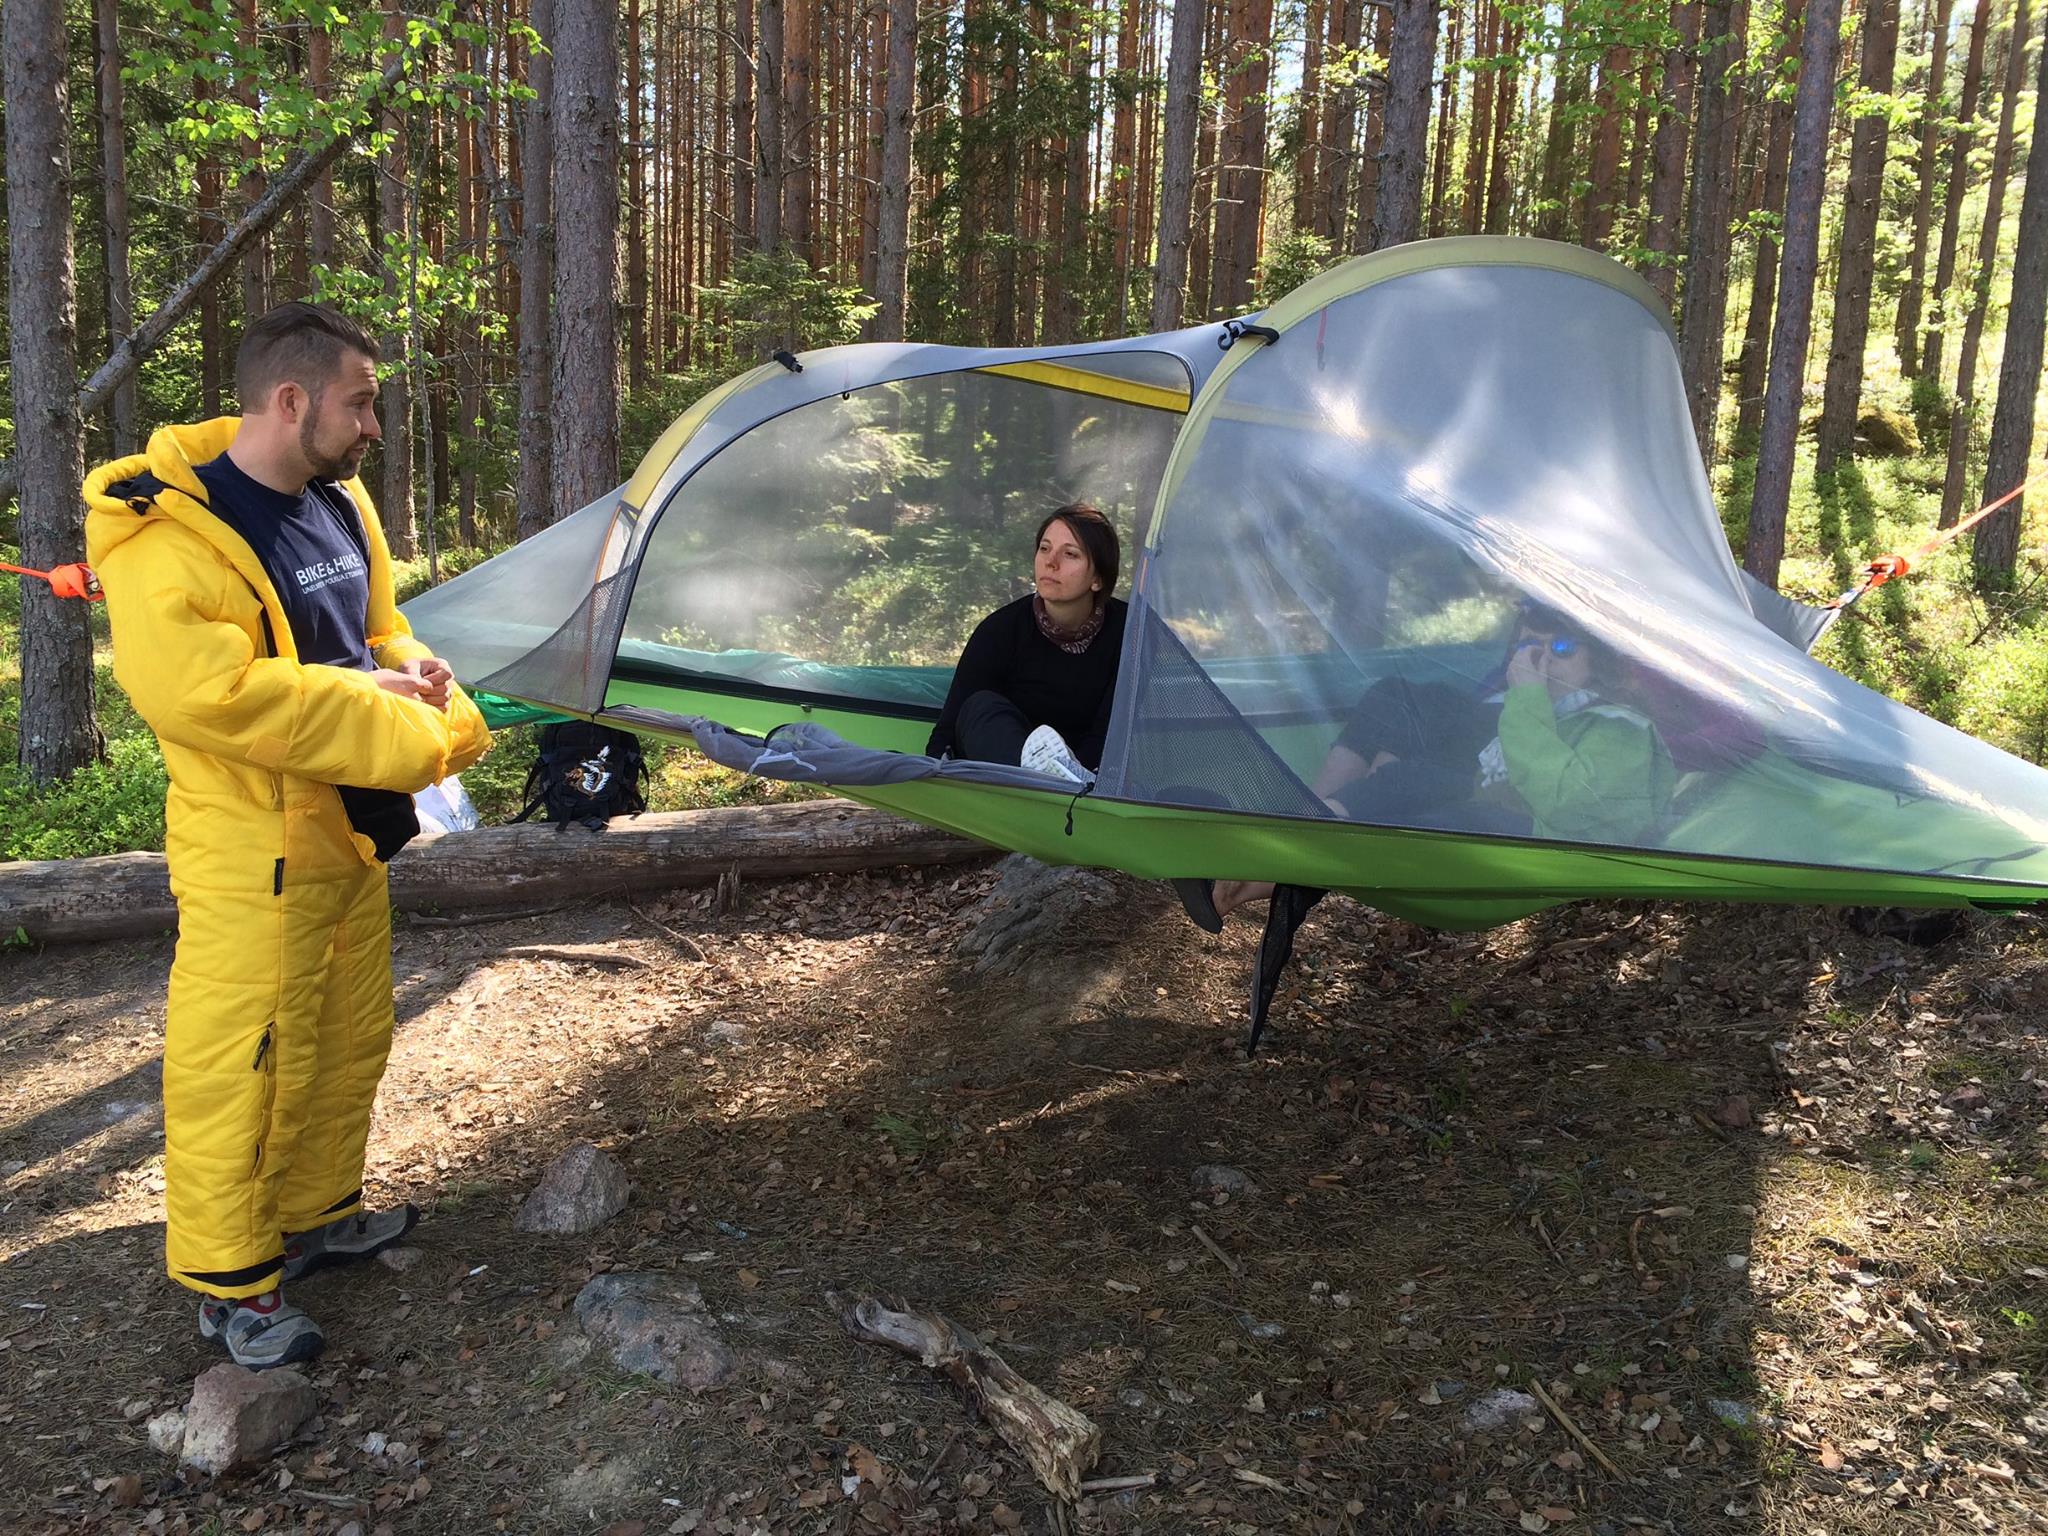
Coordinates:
[75,580]
[1888,567]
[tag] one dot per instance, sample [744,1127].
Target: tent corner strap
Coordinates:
[1234,329]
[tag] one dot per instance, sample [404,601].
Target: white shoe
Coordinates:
[1046,752]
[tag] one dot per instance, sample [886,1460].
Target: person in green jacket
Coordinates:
[1542,748]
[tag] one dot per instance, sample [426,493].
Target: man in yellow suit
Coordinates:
[255,629]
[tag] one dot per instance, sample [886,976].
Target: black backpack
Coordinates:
[587,773]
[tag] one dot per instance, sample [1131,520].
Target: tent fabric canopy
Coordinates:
[1336,539]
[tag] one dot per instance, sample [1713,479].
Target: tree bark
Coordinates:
[114,202]
[1912,296]
[769,164]
[1603,199]
[57,733]
[1506,92]
[1965,139]
[1479,137]
[1703,323]
[537,282]
[64,901]
[586,196]
[1964,416]
[894,218]
[1763,285]
[1764,549]
[1347,22]
[1308,168]
[1857,249]
[208,226]
[394,180]
[1397,208]
[1995,554]
[1668,147]
[1446,117]
[798,128]
[1177,173]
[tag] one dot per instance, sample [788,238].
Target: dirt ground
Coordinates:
[1757,1201]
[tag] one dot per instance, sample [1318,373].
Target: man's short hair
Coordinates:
[296,343]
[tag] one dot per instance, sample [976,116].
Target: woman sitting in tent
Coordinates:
[1541,749]
[1033,687]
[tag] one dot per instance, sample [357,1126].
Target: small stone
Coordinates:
[127,1491]
[1734,1112]
[167,1432]
[1968,1099]
[581,1190]
[238,1417]
[1219,1178]
[1498,1409]
[399,1260]
[1260,1330]
[655,1325]
[727,1032]
[1737,1262]
[136,1408]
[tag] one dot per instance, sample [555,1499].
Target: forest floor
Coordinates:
[1761,1203]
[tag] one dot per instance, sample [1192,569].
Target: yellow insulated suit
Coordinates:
[280,1012]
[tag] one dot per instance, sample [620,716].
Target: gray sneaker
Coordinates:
[345,1239]
[260,1332]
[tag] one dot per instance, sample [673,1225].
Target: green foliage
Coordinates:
[776,299]
[2003,695]
[1291,261]
[108,807]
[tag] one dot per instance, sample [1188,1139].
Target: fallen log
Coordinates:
[1059,1442]
[127,895]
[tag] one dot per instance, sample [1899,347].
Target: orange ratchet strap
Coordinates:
[75,580]
[1889,567]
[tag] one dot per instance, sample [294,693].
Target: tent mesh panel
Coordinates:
[1180,741]
[573,665]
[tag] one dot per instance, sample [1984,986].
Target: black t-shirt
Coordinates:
[1009,654]
[312,547]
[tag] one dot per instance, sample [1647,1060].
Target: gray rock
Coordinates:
[1212,1177]
[399,1260]
[581,1190]
[655,1325]
[1039,907]
[1498,1409]
[238,1417]
[167,1432]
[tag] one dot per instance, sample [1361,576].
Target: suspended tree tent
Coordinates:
[1427,448]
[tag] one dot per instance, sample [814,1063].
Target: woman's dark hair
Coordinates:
[1097,536]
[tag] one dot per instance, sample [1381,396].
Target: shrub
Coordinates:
[109,807]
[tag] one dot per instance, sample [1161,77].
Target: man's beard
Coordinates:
[327,466]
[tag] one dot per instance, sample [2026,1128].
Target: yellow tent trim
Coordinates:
[1087,382]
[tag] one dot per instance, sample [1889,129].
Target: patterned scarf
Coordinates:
[1072,641]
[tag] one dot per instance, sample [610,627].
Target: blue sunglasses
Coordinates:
[1563,645]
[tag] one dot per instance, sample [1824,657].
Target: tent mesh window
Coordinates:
[847,548]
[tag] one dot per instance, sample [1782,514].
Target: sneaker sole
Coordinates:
[327,1258]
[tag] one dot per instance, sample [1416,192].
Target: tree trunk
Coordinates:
[1703,324]
[208,226]
[799,124]
[1958,184]
[1554,192]
[1479,136]
[586,197]
[114,200]
[57,731]
[1912,295]
[1242,256]
[1997,539]
[1806,188]
[637,159]
[1763,285]
[1858,245]
[1308,169]
[894,217]
[1177,173]
[536,282]
[769,165]
[1446,117]
[1347,22]
[1367,195]
[1397,207]
[746,60]
[1668,150]
[1603,199]
[394,179]
[320,215]
[255,260]
[1506,92]
[1964,417]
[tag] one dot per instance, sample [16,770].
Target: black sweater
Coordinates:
[1008,654]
